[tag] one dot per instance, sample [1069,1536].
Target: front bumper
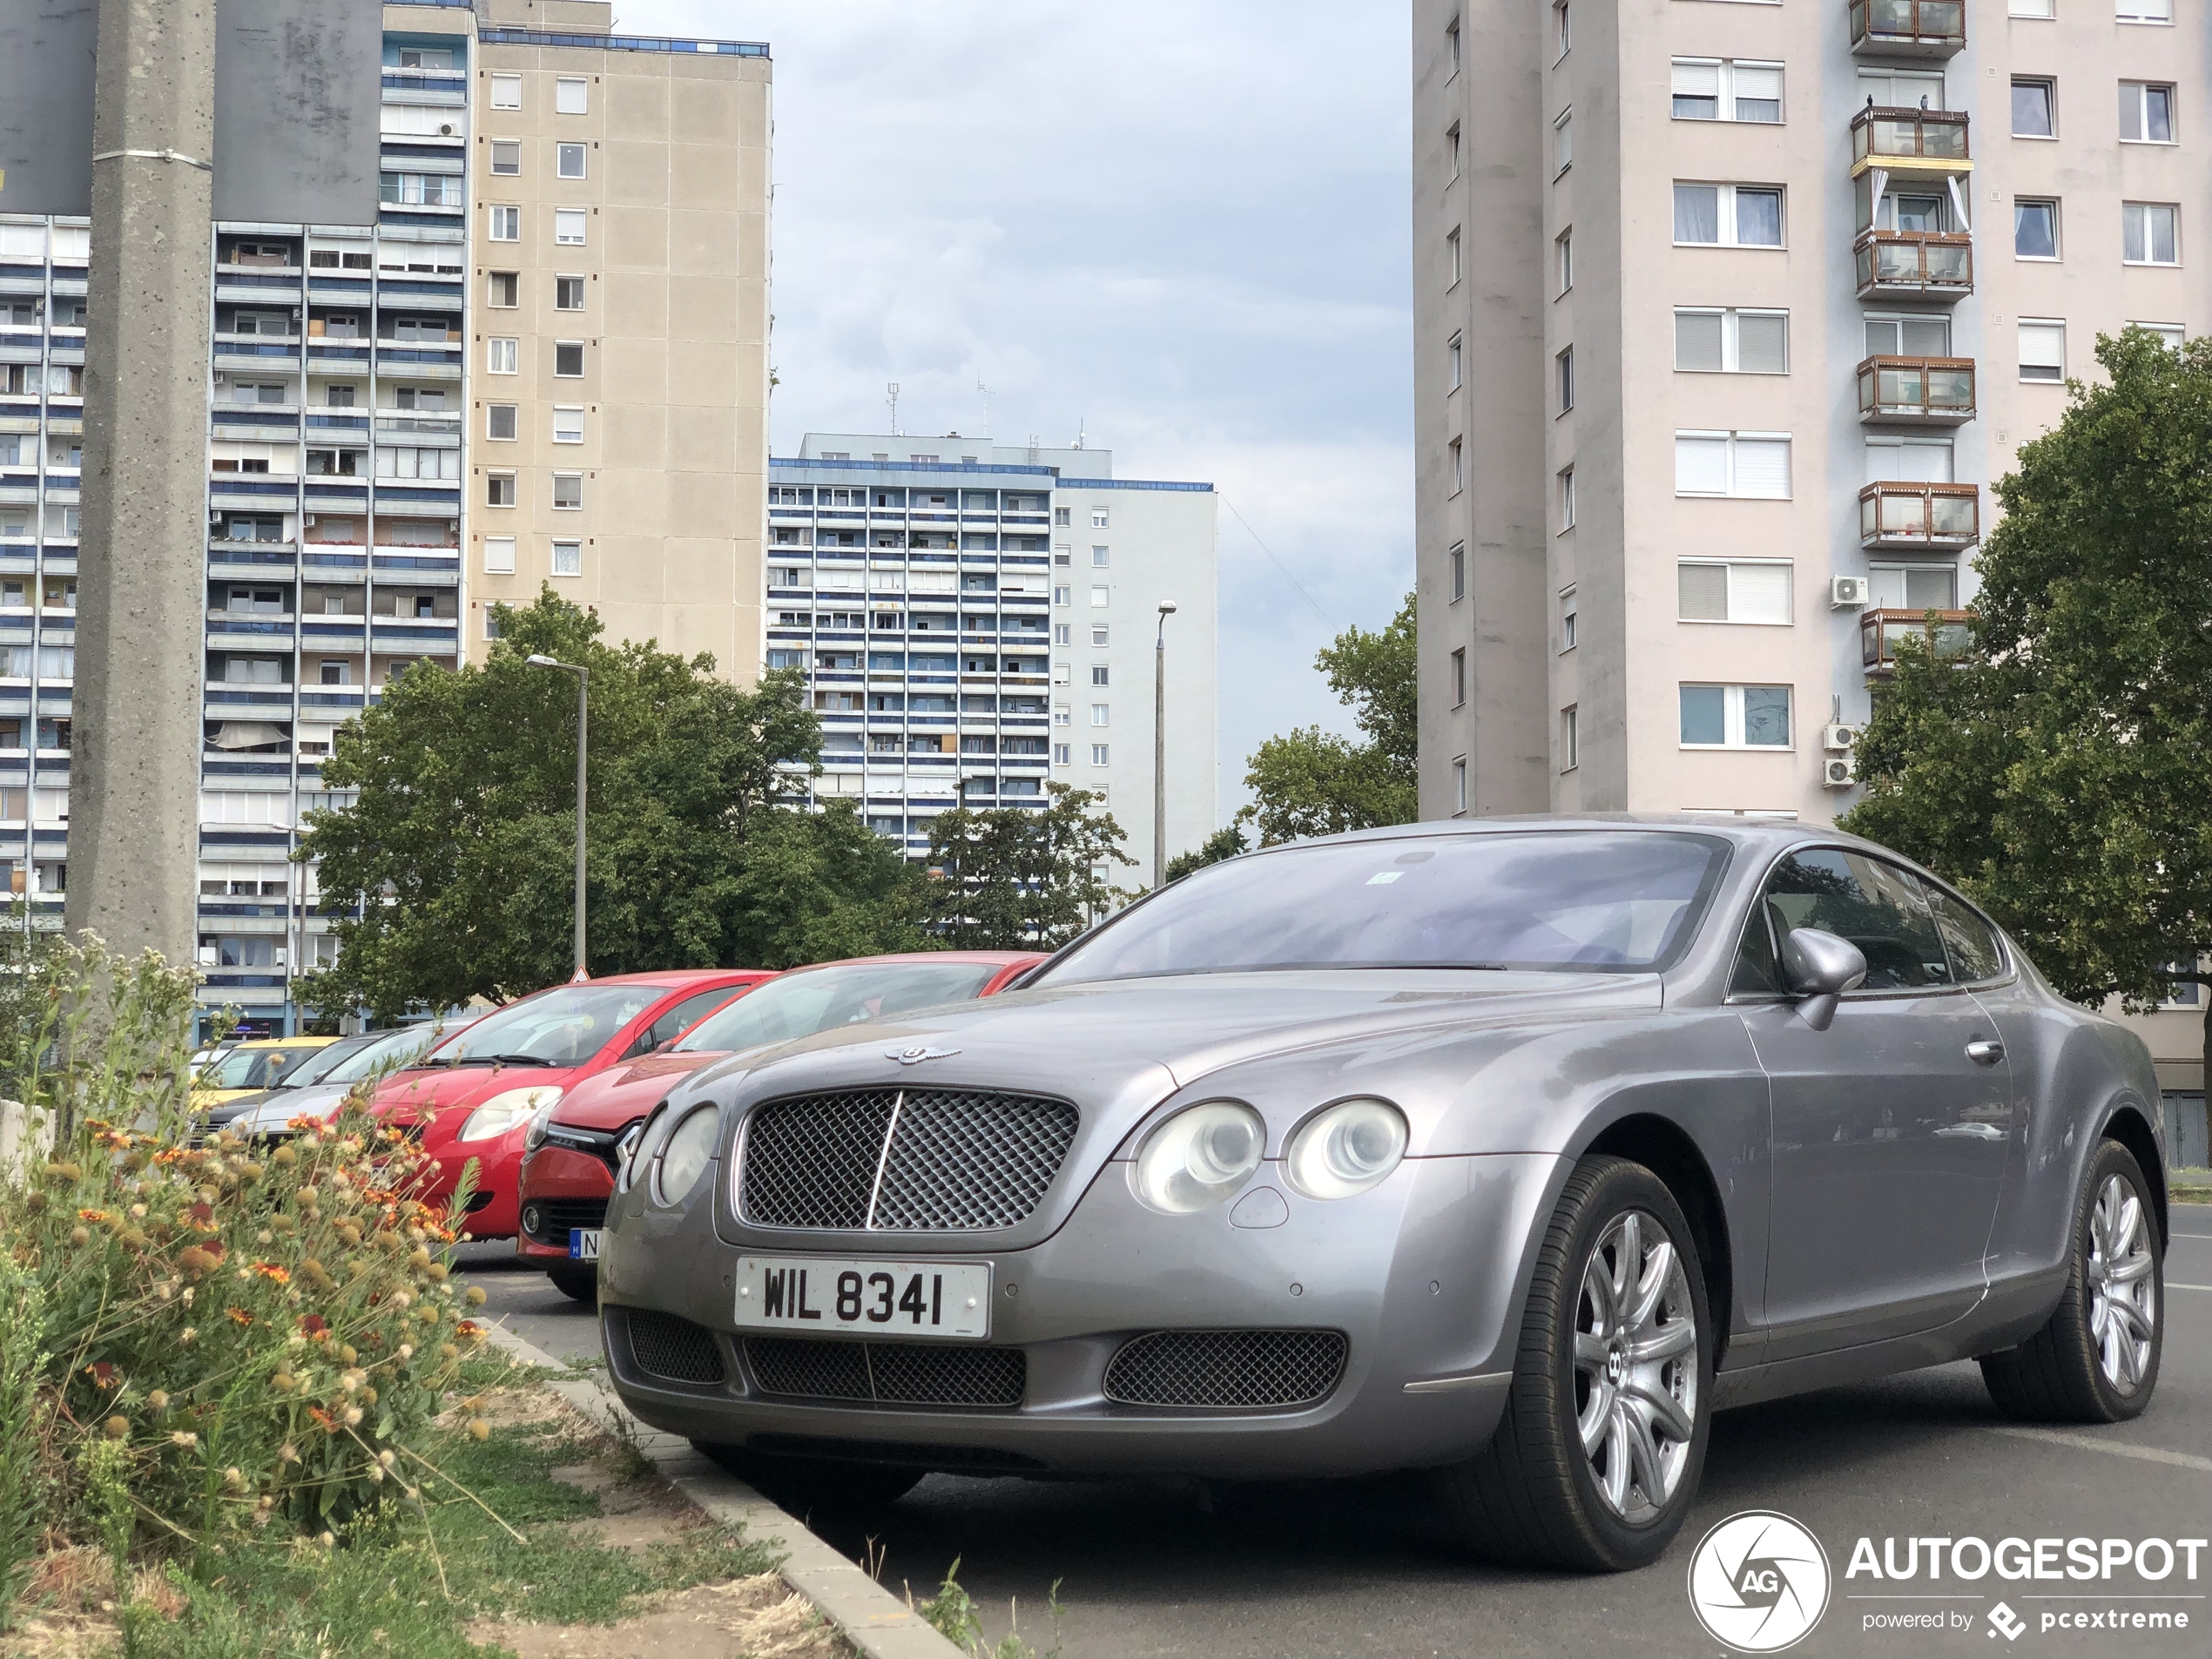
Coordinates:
[492,1204]
[1424,1275]
[571,1188]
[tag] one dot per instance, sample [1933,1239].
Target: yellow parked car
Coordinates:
[251,1066]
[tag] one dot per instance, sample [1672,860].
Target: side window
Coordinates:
[682,1017]
[1757,973]
[1875,906]
[1975,957]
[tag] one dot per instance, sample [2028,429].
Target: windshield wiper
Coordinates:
[516,1060]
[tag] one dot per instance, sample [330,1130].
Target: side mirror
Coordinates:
[1819,968]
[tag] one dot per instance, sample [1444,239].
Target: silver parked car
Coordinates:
[1512,1150]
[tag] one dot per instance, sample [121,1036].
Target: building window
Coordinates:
[499,490]
[1459,784]
[1564,363]
[1735,716]
[500,355]
[571,96]
[2042,350]
[499,554]
[2032,8]
[1728,215]
[568,226]
[506,223]
[2172,333]
[1063,596]
[1721,88]
[1912,587]
[1062,753]
[1063,633]
[1566,613]
[568,160]
[1919,461]
[1098,518]
[1099,674]
[1562,143]
[568,490]
[506,157]
[2143,10]
[567,294]
[500,421]
[2034,109]
[1098,596]
[1456,569]
[1101,754]
[506,91]
[1908,334]
[1098,634]
[568,358]
[1748,590]
[1459,677]
[503,290]
[2146,112]
[1060,518]
[1452,148]
[568,558]
[1459,460]
[1099,713]
[1562,33]
[1100,557]
[567,423]
[2150,233]
[1565,244]
[1455,363]
[1451,258]
[1451,47]
[1060,715]
[1566,499]
[1717,341]
[2035,228]
[1751,466]
[1570,739]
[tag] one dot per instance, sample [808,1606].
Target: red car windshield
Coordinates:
[798,1005]
[563,1028]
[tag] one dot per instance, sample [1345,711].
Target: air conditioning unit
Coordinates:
[1846,592]
[311,521]
[1836,737]
[447,130]
[222,379]
[1836,772]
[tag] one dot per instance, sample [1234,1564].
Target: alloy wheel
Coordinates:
[1635,1366]
[2123,1290]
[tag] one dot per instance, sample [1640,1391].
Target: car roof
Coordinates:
[673,978]
[993,958]
[286,1042]
[1760,834]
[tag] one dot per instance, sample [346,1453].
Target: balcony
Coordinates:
[1914,265]
[1908,28]
[1915,518]
[1910,145]
[1879,632]
[1923,391]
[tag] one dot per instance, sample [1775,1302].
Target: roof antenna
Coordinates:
[1079,432]
[893,389]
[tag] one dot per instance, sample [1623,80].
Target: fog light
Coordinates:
[532,1216]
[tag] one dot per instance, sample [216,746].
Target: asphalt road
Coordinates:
[1330,1569]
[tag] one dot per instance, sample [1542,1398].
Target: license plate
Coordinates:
[583,1244]
[813,1294]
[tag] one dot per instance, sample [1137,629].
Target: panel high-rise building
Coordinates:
[544,360]
[1727,315]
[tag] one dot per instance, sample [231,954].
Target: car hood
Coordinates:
[272,1108]
[622,1094]
[435,1091]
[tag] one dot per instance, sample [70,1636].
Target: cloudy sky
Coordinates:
[1181,225]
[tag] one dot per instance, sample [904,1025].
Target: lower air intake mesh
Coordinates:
[888,1374]
[1226,1368]
[666,1346]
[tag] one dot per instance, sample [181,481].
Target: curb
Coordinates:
[876,1622]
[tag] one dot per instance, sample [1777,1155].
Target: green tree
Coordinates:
[1021,878]
[1310,782]
[1224,843]
[458,853]
[2057,769]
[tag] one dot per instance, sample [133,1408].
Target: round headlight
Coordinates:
[1346,1149]
[632,1148]
[1199,1156]
[690,1148]
[503,1111]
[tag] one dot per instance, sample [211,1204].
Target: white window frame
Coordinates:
[493,479]
[561,428]
[2043,325]
[1100,596]
[1724,99]
[1731,341]
[1562,31]
[499,555]
[1457,682]
[1459,459]
[579,346]
[1101,715]
[1455,362]
[564,218]
[513,412]
[2058,228]
[1102,754]
[1568,614]
[1732,717]
[1570,738]
[1566,498]
[560,506]
[502,85]
[1733,439]
[566,550]
[504,216]
[2050,85]
[1900,441]
[1732,620]
[2142,90]
[1866,317]
[2175,334]
[1725,216]
[1925,566]
[1452,257]
[513,148]
[491,288]
[1564,242]
[2140,11]
[503,354]
[1455,572]
[1562,141]
[561,152]
[2033,10]
[2175,209]
[1099,517]
[571,95]
[1459,786]
[1563,379]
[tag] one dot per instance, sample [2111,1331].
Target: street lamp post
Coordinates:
[582,726]
[1160,747]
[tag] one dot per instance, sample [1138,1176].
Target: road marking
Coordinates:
[2172,1286]
[2112,1448]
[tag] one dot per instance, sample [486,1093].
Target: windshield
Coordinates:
[391,1051]
[562,1027]
[798,1005]
[257,1067]
[316,1067]
[1595,900]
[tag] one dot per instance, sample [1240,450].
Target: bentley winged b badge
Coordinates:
[915,1056]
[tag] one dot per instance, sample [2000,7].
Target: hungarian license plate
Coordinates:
[583,1244]
[813,1294]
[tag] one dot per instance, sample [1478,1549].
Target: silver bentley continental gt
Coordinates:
[1509,1149]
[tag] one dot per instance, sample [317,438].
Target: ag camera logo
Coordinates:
[1758,1581]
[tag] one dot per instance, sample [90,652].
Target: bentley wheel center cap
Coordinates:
[1617,1365]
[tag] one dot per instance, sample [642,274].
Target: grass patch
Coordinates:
[410,1581]
[2189,1186]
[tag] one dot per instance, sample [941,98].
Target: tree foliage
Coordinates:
[2057,770]
[1224,843]
[1311,782]
[1020,878]
[458,854]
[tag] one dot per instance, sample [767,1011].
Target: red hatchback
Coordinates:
[569,1167]
[472,1095]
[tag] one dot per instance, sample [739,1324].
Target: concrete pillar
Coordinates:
[134,780]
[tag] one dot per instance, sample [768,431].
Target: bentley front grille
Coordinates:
[1226,1369]
[905,1160]
[667,1346]
[888,1373]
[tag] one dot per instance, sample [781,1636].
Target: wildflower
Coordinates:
[317,1275]
[95,1216]
[351,1380]
[387,1457]
[449,1351]
[315,1326]
[195,1261]
[184,1437]
[438,1271]
[79,1236]
[202,1214]
[469,1329]
[68,1172]
[284,1382]
[419,1259]
[234,1479]
[285,1157]
[287,1452]
[349,1232]
[353,1416]
[347,1354]
[103,1374]
[326,1541]
[479,1429]
[401,1299]
[375,1475]
[158,1401]
[185,1337]
[273,1273]
[476,1298]
[265,1237]
[239,1316]
[135,1237]
[407,1350]
[117,1427]
[322,1417]
[188,1296]
[283,1225]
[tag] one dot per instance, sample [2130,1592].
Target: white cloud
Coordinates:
[1183,226]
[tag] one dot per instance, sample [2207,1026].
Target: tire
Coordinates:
[2095,1359]
[1535,1496]
[805,1486]
[578,1284]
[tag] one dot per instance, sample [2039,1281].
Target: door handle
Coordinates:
[1984,1051]
[1972,1132]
